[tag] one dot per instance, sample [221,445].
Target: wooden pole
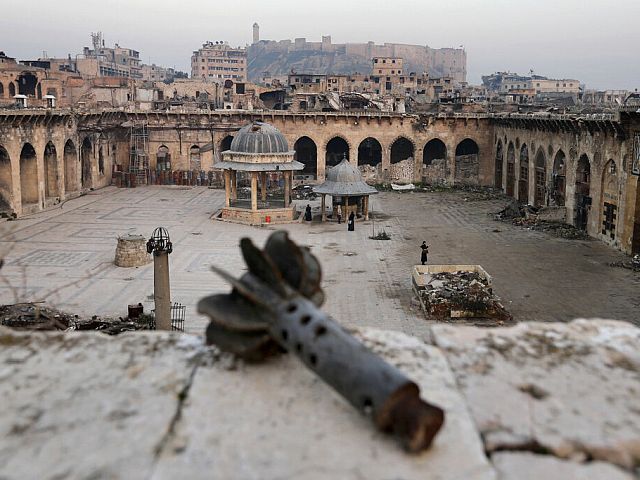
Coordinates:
[227,188]
[254,191]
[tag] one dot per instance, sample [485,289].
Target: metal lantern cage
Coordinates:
[159,242]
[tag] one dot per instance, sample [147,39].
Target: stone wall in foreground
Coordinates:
[552,401]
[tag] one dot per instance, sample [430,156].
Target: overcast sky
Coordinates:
[595,41]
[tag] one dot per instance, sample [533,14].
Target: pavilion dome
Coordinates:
[259,138]
[344,179]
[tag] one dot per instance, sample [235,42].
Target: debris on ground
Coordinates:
[461,294]
[381,235]
[303,192]
[633,264]
[527,216]
[36,317]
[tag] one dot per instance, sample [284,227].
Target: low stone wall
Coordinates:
[402,172]
[258,217]
[549,401]
[436,173]
[131,251]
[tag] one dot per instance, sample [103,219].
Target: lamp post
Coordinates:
[160,245]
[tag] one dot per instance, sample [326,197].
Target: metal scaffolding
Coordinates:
[139,153]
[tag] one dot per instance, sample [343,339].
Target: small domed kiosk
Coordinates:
[258,153]
[347,189]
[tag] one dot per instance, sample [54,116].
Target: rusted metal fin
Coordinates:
[310,286]
[262,266]
[287,257]
[250,346]
[233,312]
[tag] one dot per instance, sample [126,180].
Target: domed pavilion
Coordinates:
[259,154]
[347,189]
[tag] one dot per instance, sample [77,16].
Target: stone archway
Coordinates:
[337,149]
[434,161]
[70,158]
[370,152]
[307,154]
[583,193]
[540,196]
[50,171]
[523,180]
[467,164]
[195,163]
[511,170]
[6,182]
[498,167]
[85,160]
[559,179]
[28,175]
[401,149]
[163,159]
[609,203]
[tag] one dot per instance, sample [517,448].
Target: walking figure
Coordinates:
[425,252]
[352,222]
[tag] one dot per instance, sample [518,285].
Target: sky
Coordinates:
[594,41]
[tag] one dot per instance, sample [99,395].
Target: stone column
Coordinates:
[287,188]
[161,290]
[263,185]
[365,207]
[227,188]
[254,191]
[321,163]
[386,164]
[324,208]
[234,185]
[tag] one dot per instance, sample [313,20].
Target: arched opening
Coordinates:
[12,90]
[6,182]
[523,181]
[70,158]
[498,166]
[467,162]
[307,153]
[85,160]
[559,179]
[370,152]
[163,159]
[194,158]
[434,151]
[401,149]
[337,149]
[28,175]
[225,144]
[609,199]
[511,170]
[1,90]
[27,84]
[100,161]
[50,171]
[541,175]
[583,192]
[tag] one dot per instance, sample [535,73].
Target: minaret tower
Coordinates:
[256,32]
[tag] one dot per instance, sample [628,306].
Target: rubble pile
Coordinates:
[35,317]
[462,294]
[633,264]
[526,216]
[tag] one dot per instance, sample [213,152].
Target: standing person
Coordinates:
[352,222]
[425,252]
[339,213]
[307,213]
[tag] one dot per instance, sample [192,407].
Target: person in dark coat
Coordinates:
[425,252]
[307,213]
[352,222]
